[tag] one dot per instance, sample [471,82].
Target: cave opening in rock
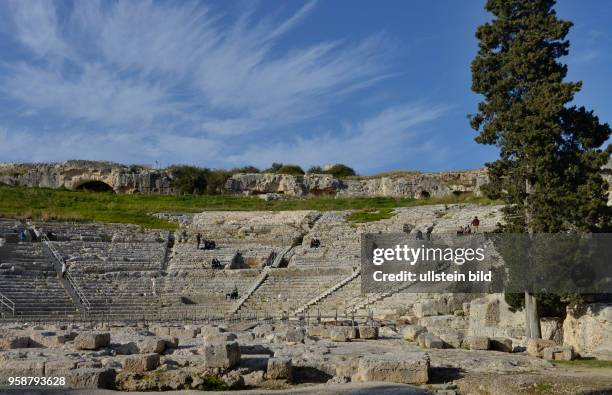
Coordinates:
[95,186]
[424,195]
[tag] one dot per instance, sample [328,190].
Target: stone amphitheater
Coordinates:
[147,310]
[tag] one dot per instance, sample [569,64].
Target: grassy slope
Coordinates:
[47,204]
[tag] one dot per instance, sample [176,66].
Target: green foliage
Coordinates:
[550,157]
[189,179]
[340,171]
[274,168]
[548,173]
[245,169]
[58,204]
[315,170]
[213,383]
[549,305]
[294,170]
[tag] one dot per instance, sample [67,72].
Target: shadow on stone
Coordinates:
[444,375]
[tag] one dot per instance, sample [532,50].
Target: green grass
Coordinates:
[542,387]
[586,363]
[58,204]
[370,215]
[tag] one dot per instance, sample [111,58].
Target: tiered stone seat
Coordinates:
[205,290]
[290,288]
[339,300]
[9,229]
[340,244]
[114,256]
[36,296]
[119,295]
[186,256]
[24,258]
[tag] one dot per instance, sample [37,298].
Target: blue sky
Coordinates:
[376,85]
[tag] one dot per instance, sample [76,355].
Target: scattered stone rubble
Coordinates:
[268,356]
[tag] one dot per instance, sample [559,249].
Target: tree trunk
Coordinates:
[532,318]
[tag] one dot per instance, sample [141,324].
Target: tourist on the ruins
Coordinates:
[468,230]
[475,224]
[407,228]
[63,269]
[153,286]
[429,231]
[22,236]
[198,239]
[460,231]
[419,235]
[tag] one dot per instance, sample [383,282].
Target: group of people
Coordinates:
[232,295]
[216,264]
[428,232]
[470,228]
[315,243]
[208,244]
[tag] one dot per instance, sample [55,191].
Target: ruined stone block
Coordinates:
[429,340]
[407,368]
[558,353]
[501,344]
[295,335]
[411,332]
[536,346]
[92,340]
[453,339]
[88,378]
[182,333]
[478,343]
[152,345]
[279,368]
[342,333]
[318,331]
[141,363]
[221,355]
[368,332]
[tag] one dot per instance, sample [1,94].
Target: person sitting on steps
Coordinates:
[216,264]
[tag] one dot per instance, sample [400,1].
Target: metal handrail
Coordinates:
[59,264]
[5,300]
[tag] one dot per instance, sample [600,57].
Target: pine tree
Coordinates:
[548,173]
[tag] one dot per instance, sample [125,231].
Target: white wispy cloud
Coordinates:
[176,81]
[378,141]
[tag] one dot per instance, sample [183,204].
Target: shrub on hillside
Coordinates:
[189,179]
[315,170]
[339,171]
[294,170]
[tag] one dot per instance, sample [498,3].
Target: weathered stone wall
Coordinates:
[418,185]
[73,174]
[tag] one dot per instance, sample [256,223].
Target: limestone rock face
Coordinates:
[417,185]
[408,368]
[536,346]
[491,316]
[588,329]
[76,173]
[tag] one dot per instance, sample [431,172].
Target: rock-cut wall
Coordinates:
[417,185]
[76,174]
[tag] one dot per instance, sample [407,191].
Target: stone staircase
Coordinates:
[288,289]
[327,293]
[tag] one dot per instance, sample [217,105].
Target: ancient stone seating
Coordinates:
[338,301]
[9,229]
[119,295]
[36,296]
[290,288]
[186,256]
[24,258]
[112,256]
[206,290]
[88,231]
